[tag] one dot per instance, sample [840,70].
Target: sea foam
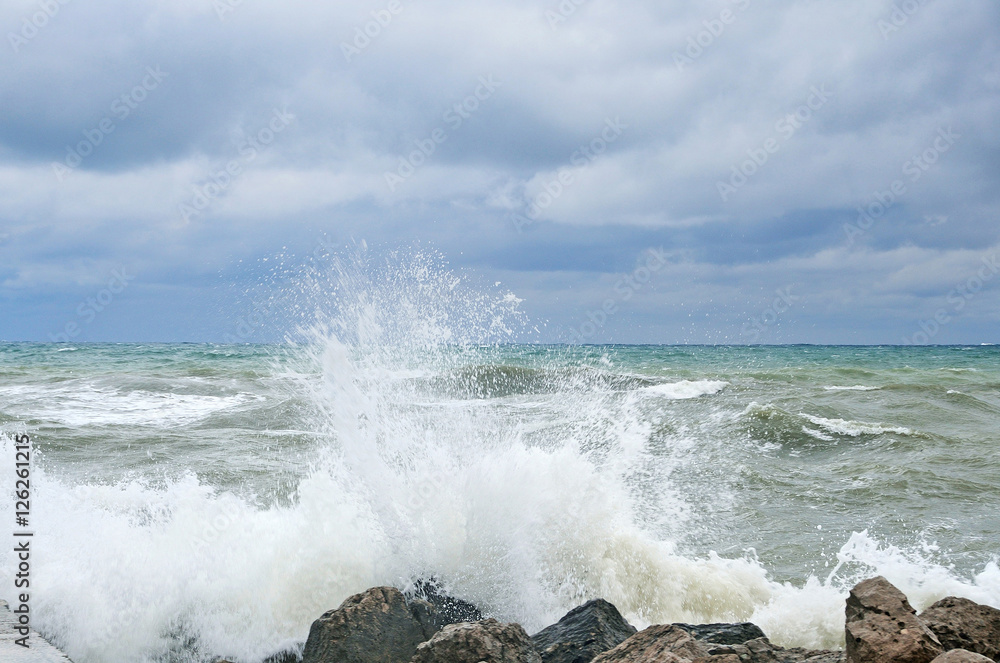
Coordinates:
[526,526]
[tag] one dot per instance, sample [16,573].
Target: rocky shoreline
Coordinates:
[382,625]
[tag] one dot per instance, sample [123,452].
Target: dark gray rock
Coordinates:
[486,641]
[285,657]
[964,624]
[583,633]
[882,626]
[724,634]
[376,626]
[450,610]
[280,657]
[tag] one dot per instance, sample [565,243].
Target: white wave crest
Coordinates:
[686,389]
[855,428]
[857,387]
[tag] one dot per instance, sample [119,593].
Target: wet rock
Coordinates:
[584,632]
[961,656]
[964,624]
[487,641]
[720,658]
[882,626]
[723,634]
[450,610]
[664,643]
[376,626]
[761,650]
[285,657]
[281,657]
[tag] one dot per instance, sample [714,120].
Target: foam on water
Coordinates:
[855,428]
[857,387]
[81,403]
[525,526]
[688,388]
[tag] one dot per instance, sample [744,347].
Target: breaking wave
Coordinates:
[525,519]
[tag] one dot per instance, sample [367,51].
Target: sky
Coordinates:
[729,171]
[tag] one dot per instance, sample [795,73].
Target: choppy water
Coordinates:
[192,501]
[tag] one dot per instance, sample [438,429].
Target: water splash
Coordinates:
[525,481]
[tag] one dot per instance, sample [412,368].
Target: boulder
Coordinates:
[376,626]
[723,634]
[761,650]
[664,643]
[486,641]
[964,624]
[281,657]
[882,626]
[961,656]
[450,610]
[584,632]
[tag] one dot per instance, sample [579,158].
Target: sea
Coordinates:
[196,501]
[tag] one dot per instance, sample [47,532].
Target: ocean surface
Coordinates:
[193,501]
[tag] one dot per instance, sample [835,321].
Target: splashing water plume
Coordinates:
[429,461]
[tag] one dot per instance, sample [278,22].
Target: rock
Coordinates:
[283,657]
[450,610]
[664,643]
[583,633]
[761,650]
[964,624]
[961,656]
[376,626]
[723,634]
[487,641]
[882,626]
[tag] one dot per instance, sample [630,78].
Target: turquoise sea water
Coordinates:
[197,501]
[213,499]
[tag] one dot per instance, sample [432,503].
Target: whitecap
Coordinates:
[686,389]
[855,428]
[857,387]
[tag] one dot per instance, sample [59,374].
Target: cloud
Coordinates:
[525,182]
